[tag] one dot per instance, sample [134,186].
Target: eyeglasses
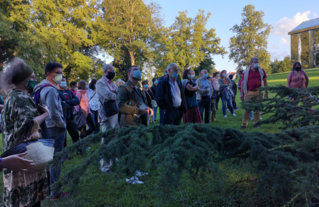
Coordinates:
[60,73]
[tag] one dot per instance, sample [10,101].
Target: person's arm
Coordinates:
[307,79]
[222,85]
[104,91]
[122,101]
[266,84]
[52,100]
[201,91]
[235,87]
[289,80]
[191,88]
[160,95]
[16,163]
[74,100]
[45,114]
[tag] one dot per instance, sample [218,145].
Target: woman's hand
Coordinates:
[17,163]
[44,109]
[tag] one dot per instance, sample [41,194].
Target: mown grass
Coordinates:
[238,187]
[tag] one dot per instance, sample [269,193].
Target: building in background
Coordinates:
[305,43]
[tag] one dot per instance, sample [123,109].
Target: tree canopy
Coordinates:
[250,39]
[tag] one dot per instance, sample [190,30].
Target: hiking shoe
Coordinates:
[61,195]
[134,180]
[140,174]
[225,116]
[242,127]
[256,127]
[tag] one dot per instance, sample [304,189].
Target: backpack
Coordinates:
[37,100]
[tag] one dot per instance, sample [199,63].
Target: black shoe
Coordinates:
[242,127]
[256,127]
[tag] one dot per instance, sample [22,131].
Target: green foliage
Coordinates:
[280,66]
[301,112]
[285,163]
[187,42]
[207,64]
[250,39]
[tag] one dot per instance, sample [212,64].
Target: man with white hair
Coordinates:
[170,97]
[203,95]
[106,91]
[253,78]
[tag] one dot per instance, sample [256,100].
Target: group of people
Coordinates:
[107,104]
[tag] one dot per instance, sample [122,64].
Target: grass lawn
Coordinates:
[98,189]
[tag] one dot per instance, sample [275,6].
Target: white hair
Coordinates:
[105,67]
[118,82]
[254,58]
[202,70]
[170,66]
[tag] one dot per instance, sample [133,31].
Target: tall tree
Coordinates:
[250,39]
[187,42]
[207,64]
[66,29]
[127,28]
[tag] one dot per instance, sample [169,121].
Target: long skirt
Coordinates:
[192,116]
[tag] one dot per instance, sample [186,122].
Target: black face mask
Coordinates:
[110,75]
[298,68]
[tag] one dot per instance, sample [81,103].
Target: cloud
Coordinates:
[315,15]
[284,41]
[274,47]
[278,56]
[285,25]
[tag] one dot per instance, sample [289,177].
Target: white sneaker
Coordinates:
[134,180]
[140,174]
[225,116]
[234,114]
[261,118]
[251,119]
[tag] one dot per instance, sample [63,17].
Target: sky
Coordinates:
[282,15]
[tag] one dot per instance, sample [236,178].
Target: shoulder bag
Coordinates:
[110,107]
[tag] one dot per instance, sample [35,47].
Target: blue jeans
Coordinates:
[174,117]
[229,104]
[155,113]
[95,117]
[204,104]
[58,134]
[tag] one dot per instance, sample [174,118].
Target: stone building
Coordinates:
[305,43]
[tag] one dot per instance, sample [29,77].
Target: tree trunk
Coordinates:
[132,58]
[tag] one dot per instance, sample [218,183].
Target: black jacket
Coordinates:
[164,95]
[234,87]
[154,88]
[67,104]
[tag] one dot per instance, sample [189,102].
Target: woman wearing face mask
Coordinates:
[85,107]
[94,104]
[225,87]
[21,122]
[297,78]
[192,115]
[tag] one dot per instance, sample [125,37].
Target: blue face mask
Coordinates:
[205,75]
[225,75]
[256,65]
[63,84]
[137,74]
[87,87]
[146,86]
[156,82]
[175,75]
[193,75]
[238,76]
[189,76]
